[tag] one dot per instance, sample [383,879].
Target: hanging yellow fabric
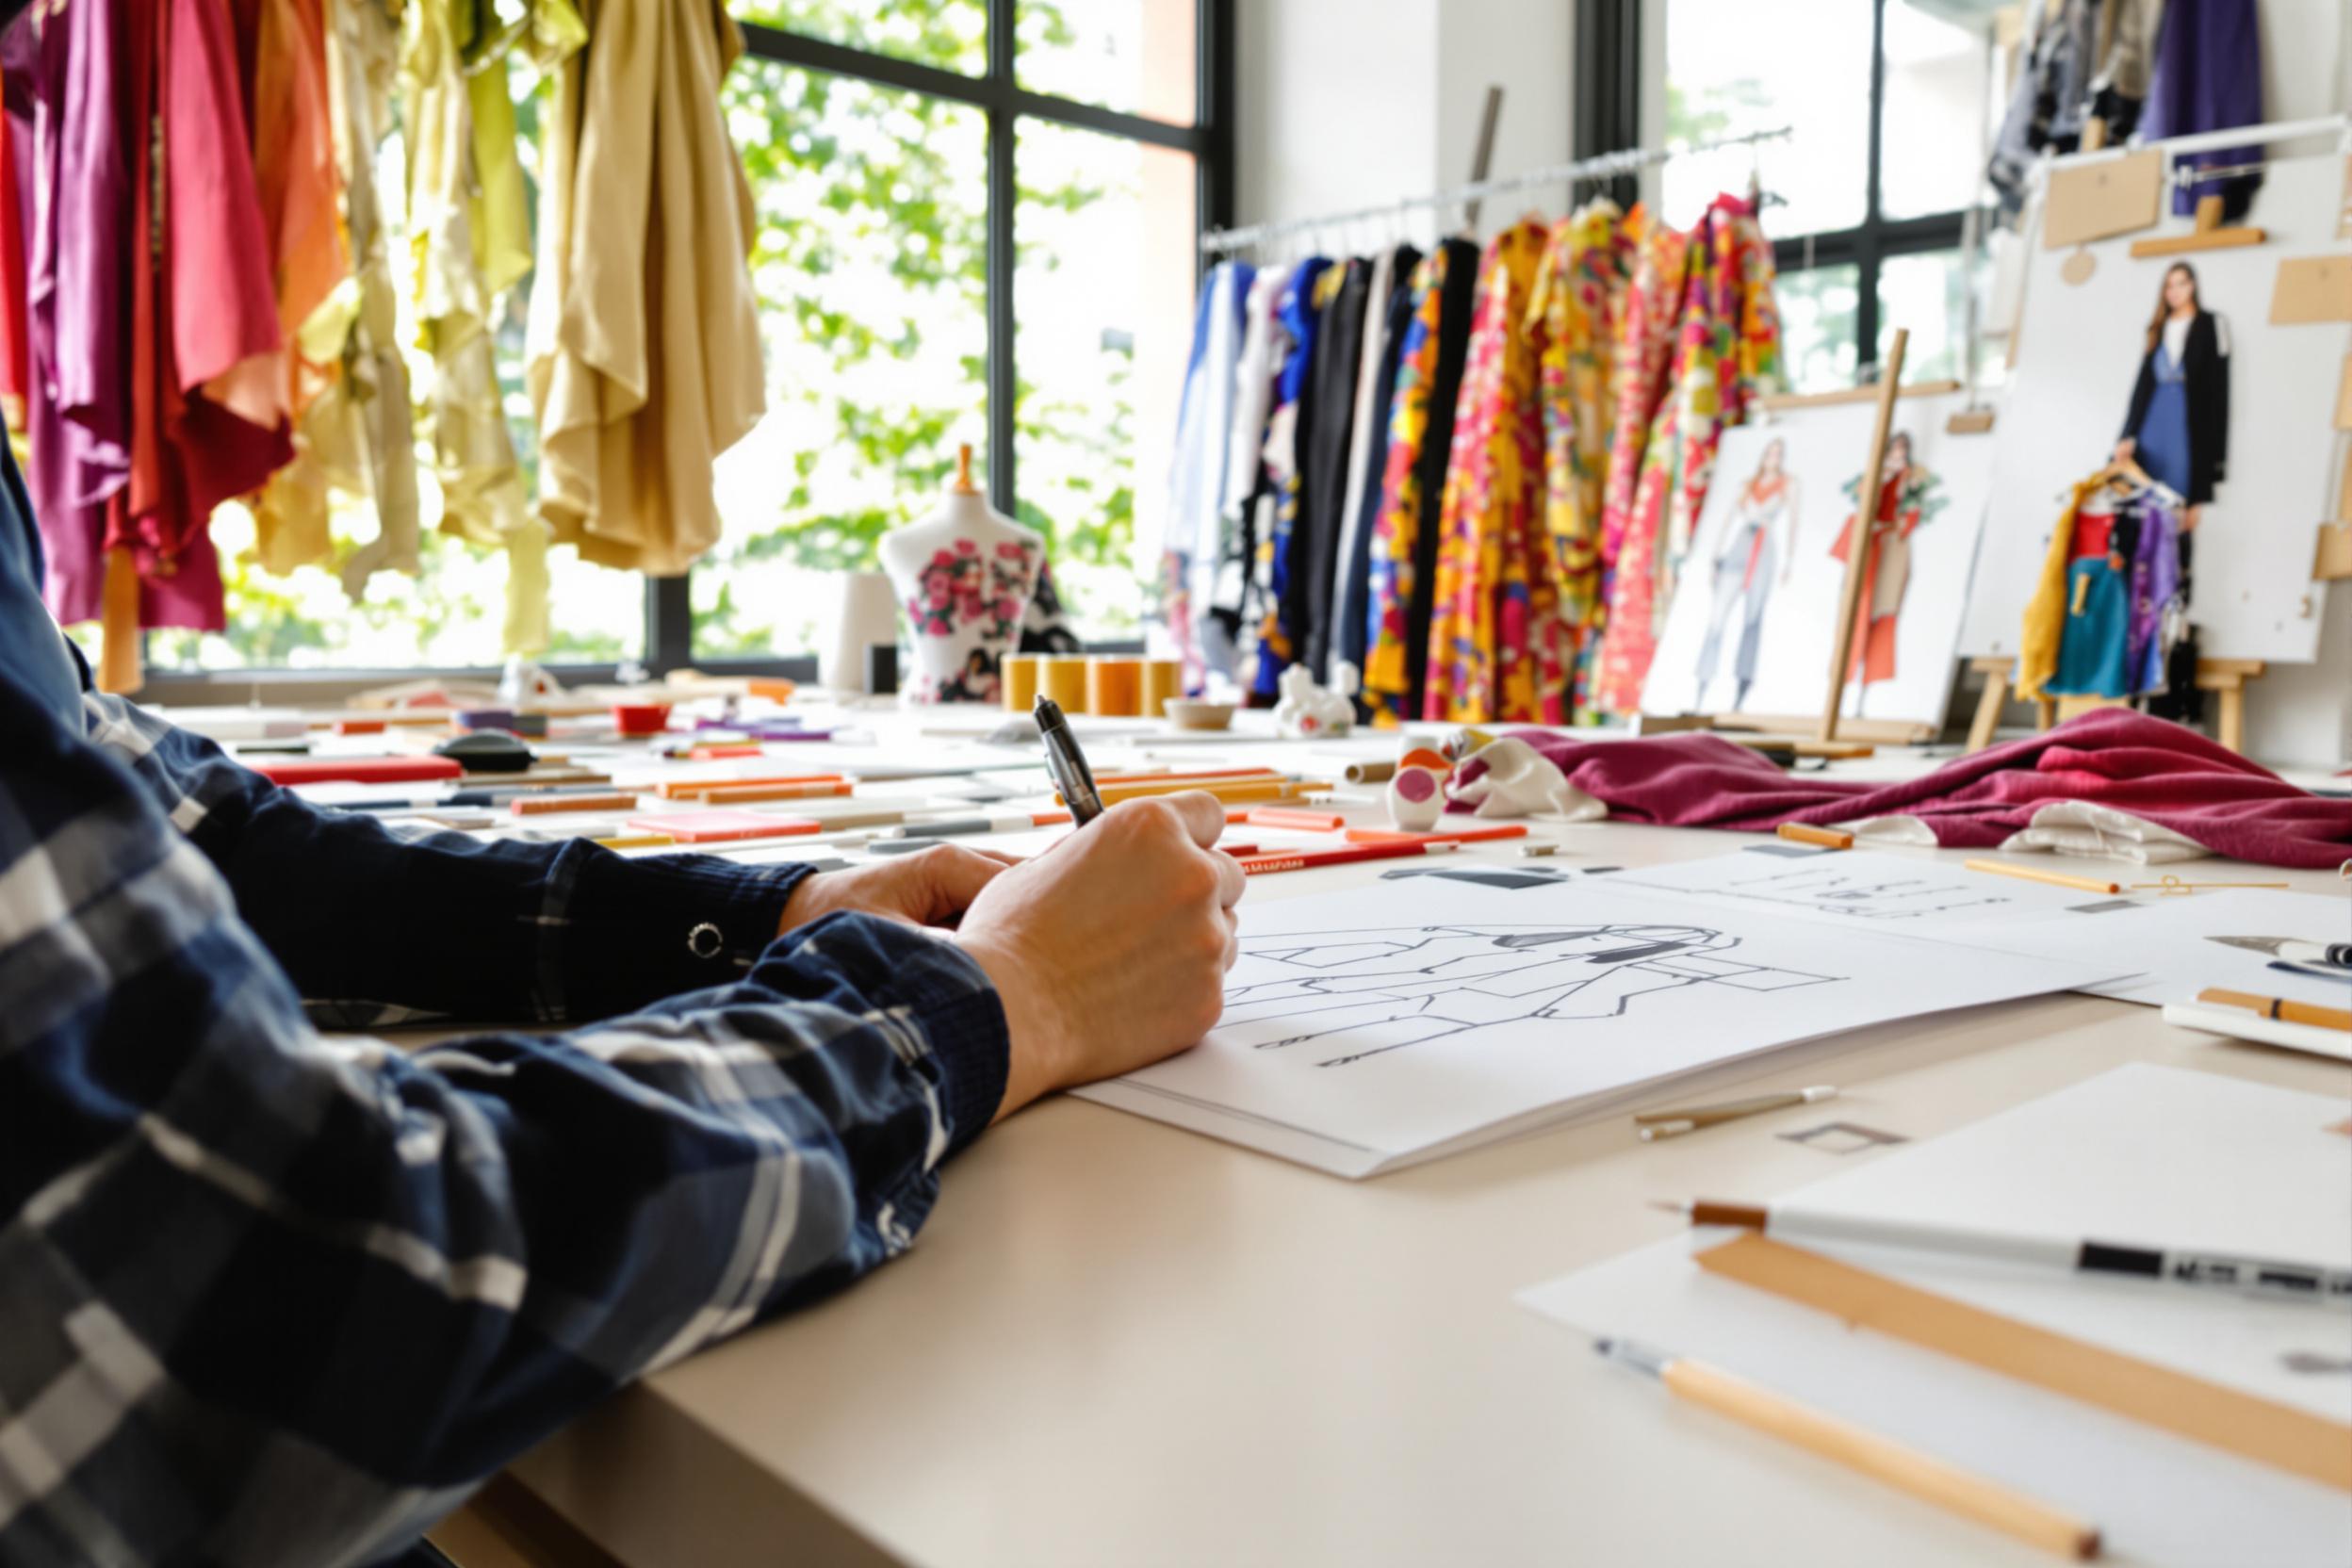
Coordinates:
[467,243]
[643,347]
[356,436]
[2044,627]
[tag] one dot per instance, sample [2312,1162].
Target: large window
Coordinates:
[1884,99]
[976,224]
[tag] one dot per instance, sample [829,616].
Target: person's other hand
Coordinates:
[2125,447]
[931,887]
[1110,952]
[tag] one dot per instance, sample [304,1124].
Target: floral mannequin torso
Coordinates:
[964,576]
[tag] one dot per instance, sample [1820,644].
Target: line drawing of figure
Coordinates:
[1908,496]
[1757,553]
[1386,987]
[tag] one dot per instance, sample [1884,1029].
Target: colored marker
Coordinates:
[958,827]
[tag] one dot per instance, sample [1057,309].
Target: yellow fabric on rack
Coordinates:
[644,358]
[357,435]
[464,202]
[2045,628]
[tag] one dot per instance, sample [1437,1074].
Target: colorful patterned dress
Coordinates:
[1580,291]
[1299,315]
[1726,344]
[1387,674]
[1497,650]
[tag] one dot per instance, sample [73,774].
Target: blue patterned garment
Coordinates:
[267,1298]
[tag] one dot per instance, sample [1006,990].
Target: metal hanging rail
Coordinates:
[1606,166]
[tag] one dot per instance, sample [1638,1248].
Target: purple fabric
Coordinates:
[2208,77]
[78,287]
[2155,582]
[2152,769]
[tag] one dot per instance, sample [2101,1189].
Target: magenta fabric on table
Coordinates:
[2159,772]
[78,287]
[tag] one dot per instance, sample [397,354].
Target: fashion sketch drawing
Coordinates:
[1350,995]
[1754,556]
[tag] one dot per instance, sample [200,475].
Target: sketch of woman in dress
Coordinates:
[1908,496]
[1371,991]
[1755,556]
[2177,431]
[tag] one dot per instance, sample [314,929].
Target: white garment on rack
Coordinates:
[1253,398]
[1360,437]
[1199,471]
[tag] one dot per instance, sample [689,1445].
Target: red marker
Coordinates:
[1305,859]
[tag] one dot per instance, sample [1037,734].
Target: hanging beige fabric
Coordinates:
[644,349]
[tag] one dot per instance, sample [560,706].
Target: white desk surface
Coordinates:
[1117,1342]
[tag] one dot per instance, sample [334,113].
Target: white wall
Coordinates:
[1348,103]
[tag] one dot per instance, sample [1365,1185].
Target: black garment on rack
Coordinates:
[1352,641]
[1323,465]
[1459,292]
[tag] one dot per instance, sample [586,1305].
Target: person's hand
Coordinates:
[931,887]
[2125,447]
[2189,516]
[1110,951]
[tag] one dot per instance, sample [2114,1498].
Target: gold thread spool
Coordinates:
[1163,680]
[1063,678]
[1020,681]
[1115,687]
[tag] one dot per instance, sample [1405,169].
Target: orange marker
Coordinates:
[745,794]
[1478,834]
[725,749]
[1309,822]
[692,789]
[690,827]
[539,805]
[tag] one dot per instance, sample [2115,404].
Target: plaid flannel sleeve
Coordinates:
[266,1298]
[376,925]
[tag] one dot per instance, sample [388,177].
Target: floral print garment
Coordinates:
[1387,679]
[1726,344]
[968,595]
[1496,650]
[1580,292]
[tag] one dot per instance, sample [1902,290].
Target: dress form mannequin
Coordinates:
[964,576]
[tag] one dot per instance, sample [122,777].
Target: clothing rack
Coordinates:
[1606,166]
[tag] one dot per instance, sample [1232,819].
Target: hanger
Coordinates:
[2123,470]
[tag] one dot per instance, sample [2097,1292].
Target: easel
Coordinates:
[2225,676]
[1866,501]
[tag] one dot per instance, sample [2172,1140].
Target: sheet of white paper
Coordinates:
[2142,1153]
[2159,945]
[1392,1022]
[2169,940]
[1863,889]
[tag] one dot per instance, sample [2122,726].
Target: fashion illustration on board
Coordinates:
[1908,496]
[1755,556]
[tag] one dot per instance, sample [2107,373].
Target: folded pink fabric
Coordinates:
[2150,768]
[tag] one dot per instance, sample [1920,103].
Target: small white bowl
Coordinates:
[1191,713]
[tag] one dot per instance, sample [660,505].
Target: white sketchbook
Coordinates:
[1424,1014]
[2142,1153]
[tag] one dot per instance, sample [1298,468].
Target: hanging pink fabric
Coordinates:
[2159,772]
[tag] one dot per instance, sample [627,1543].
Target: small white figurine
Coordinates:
[1519,781]
[1307,711]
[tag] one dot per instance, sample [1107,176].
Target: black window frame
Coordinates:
[669,623]
[1608,84]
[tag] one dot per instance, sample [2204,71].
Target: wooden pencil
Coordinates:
[1828,837]
[1866,1452]
[2055,878]
[1230,794]
[689,789]
[2278,1007]
[745,794]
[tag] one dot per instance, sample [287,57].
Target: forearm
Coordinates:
[258,1276]
[364,920]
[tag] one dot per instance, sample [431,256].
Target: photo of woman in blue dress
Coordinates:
[2178,432]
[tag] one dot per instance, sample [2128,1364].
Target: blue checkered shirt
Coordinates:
[268,1298]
